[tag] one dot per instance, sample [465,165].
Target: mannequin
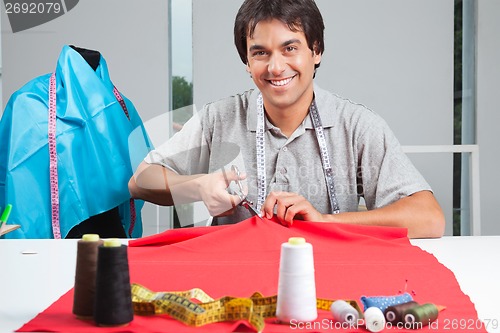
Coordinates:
[94,155]
[92,57]
[106,224]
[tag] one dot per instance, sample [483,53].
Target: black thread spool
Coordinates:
[395,314]
[85,275]
[113,300]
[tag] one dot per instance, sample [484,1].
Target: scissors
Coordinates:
[244,201]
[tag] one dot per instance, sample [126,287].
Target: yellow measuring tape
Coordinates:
[179,305]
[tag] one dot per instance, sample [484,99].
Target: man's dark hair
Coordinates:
[298,15]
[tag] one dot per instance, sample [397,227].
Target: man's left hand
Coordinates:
[289,206]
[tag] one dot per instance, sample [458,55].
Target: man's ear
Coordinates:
[316,54]
[317,58]
[248,70]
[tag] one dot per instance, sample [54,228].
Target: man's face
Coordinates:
[281,65]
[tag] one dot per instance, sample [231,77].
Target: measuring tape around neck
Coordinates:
[54,183]
[261,155]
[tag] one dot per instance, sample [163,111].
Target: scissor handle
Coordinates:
[244,201]
[236,170]
[238,182]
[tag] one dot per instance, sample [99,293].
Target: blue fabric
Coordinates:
[94,150]
[383,302]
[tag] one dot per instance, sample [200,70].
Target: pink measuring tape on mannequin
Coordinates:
[54,184]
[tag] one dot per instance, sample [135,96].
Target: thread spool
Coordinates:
[374,319]
[395,313]
[296,285]
[344,312]
[85,276]
[423,314]
[113,300]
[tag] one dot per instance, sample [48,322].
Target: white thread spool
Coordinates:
[374,319]
[344,312]
[296,286]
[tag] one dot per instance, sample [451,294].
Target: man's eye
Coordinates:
[259,54]
[290,48]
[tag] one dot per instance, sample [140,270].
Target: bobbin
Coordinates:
[423,314]
[395,313]
[374,319]
[344,312]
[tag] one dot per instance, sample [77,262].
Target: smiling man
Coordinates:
[308,154]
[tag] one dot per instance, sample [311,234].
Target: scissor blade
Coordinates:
[251,209]
[255,212]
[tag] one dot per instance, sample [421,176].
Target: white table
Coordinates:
[42,270]
[475,261]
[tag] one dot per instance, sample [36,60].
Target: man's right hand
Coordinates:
[157,184]
[213,189]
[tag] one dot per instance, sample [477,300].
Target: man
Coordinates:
[308,154]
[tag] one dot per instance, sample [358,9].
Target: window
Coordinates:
[464,109]
[181,83]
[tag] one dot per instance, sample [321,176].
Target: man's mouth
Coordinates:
[281,83]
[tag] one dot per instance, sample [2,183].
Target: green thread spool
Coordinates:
[423,314]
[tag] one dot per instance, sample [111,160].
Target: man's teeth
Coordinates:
[280,83]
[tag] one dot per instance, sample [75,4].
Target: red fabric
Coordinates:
[174,236]
[350,261]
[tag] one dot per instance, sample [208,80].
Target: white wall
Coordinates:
[488,111]
[131,36]
[394,56]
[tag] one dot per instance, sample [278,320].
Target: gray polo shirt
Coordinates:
[366,157]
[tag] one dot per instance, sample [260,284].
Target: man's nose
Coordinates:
[276,64]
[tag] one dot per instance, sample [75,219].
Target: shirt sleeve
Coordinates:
[187,152]
[385,171]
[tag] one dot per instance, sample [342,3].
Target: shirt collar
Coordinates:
[321,96]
